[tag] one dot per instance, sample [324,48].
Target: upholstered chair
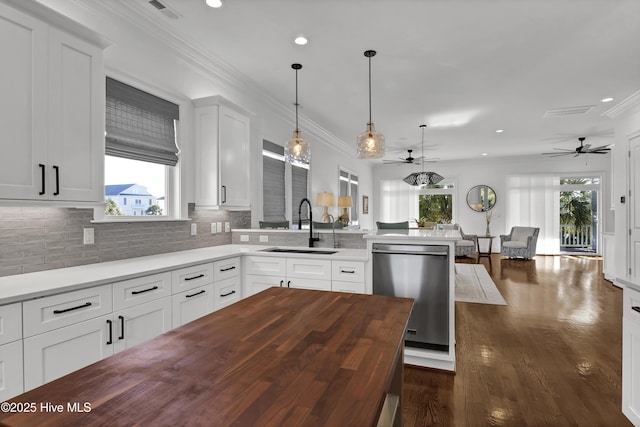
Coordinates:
[274,224]
[520,242]
[328,225]
[467,245]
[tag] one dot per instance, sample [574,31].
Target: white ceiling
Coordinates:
[463,67]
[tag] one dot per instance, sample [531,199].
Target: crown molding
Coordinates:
[622,107]
[213,68]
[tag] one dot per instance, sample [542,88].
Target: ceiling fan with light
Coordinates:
[582,149]
[410,160]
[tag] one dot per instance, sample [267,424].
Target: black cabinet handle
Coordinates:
[144,290]
[194,277]
[110,332]
[121,337]
[42,172]
[88,304]
[347,271]
[57,169]
[197,293]
[224,194]
[227,269]
[281,283]
[636,308]
[288,283]
[226,295]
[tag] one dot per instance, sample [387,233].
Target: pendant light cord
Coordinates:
[296,99]
[369,90]
[422,160]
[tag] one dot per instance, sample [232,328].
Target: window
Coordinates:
[282,182]
[349,187]
[435,203]
[141,151]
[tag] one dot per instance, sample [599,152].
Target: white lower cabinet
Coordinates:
[192,304]
[631,356]
[56,353]
[11,368]
[227,292]
[254,283]
[314,284]
[141,323]
[352,287]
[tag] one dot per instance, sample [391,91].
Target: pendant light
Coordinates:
[423,178]
[296,149]
[370,142]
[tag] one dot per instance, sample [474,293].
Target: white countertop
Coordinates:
[22,287]
[412,234]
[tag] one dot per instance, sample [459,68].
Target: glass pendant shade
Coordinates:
[423,178]
[370,143]
[297,150]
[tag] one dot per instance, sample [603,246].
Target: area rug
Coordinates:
[473,284]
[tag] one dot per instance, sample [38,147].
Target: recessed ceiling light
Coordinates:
[300,40]
[607,99]
[485,154]
[214,3]
[499,130]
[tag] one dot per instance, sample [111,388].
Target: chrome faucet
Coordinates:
[311,238]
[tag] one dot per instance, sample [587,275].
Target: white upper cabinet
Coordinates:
[222,154]
[52,107]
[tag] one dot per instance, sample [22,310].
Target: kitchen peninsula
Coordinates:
[419,264]
[278,357]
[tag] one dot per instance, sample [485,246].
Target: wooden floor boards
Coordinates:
[551,357]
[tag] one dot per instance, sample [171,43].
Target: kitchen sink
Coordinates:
[300,251]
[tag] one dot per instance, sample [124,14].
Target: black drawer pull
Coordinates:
[121,337]
[110,332]
[57,169]
[347,271]
[197,293]
[42,172]
[226,295]
[635,308]
[72,308]
[194,277]
[288,283]
[281,283]
[227,269]
[144,290]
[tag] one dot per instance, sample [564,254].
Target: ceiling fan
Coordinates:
[582,149]
[410,160]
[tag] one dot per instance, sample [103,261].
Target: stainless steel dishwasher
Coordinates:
[420,272]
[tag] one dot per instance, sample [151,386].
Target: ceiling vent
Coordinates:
[164,9]
[568,111]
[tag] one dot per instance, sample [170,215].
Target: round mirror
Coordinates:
[481,198]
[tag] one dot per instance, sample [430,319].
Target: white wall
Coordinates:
[144,56]
[493,172]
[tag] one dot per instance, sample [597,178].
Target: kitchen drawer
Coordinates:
[10,323]
[266,265]
[309,269]
[130,293]
[191,277]
[192,304]
[347,271]
[227,292]
[353,287]
[226,268]
[304,283]
[631,305]
[49,313]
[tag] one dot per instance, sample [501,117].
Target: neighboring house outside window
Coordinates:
[118,194]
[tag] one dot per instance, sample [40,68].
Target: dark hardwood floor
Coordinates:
[551,357]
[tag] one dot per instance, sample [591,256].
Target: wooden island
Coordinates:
[281,357]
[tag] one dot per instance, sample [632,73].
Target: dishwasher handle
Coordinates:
[379,251]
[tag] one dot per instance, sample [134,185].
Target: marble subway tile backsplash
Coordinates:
[343,240]
[45,238]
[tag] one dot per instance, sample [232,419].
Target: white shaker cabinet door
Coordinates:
[56,353]
[141,323]
[192,304]
[11,383]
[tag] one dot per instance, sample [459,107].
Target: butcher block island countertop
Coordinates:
[280,357]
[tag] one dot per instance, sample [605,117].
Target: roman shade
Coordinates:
[299,176]
[140,126]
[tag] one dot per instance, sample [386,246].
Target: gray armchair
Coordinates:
[274,224]
[467,245]
[520,242]
[392,225]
